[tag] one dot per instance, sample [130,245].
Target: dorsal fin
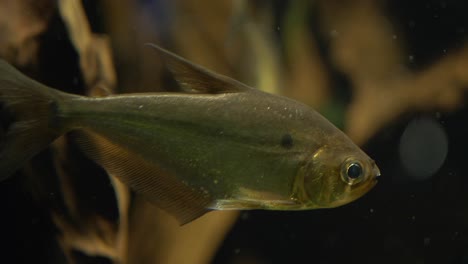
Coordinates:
[197,79]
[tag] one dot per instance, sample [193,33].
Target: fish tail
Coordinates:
[29,118]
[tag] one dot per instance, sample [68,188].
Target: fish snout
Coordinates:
[375,170]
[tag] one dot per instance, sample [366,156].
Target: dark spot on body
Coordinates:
[287,141]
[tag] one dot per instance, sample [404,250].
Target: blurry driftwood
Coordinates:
[156,236]
[200,34]
[251,30]
[308,80]
[90,233]
[94,50]
[130,26]
[22,22]
[365,47]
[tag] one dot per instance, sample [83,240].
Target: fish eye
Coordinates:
[352,172]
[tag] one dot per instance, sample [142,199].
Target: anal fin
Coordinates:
[158,185]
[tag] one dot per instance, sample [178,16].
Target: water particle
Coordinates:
[244,216]
[268,108]
[371,210]
[427,241]
[237,250]
[334,33]
[394,36]
[411,58]
[140,107]
[215,181]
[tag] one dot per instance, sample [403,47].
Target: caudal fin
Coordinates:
[28,118]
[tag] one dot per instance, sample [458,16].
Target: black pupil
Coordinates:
[354,171]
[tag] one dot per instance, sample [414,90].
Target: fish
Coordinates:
[215,144]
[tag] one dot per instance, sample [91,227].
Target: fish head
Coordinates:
[335,175]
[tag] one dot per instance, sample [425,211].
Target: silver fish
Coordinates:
[216,144]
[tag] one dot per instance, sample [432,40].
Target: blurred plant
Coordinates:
[366,47]
[22,22]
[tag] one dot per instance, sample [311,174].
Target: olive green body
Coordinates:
[216,143]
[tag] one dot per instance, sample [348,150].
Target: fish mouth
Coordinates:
[375,170]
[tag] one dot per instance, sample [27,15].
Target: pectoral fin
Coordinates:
[155,183]
[197,79]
